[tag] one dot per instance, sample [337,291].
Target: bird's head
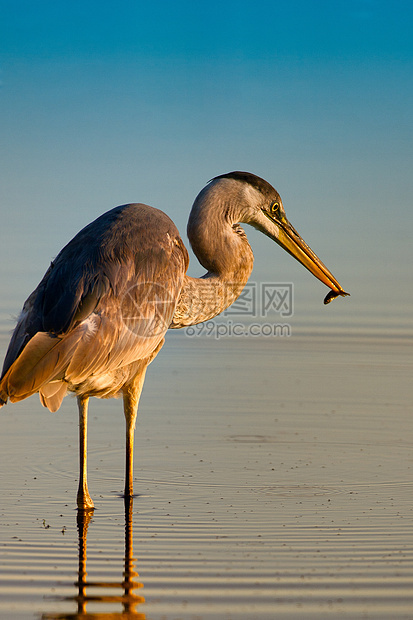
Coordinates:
[261,206]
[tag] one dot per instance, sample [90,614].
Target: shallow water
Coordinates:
[273,479]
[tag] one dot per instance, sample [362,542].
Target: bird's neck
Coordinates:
[221,246]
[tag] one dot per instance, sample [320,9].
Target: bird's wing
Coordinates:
[52,394]
[105,302]
[128,326]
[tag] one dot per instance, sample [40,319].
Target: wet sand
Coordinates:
[273,480]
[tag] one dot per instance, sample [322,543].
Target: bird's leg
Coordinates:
[131,412]
[131,396]
[84,501]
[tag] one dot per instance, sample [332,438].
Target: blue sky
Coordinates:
[103,103]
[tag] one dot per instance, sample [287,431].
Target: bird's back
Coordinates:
[104,303]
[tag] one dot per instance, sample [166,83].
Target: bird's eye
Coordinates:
[274,207]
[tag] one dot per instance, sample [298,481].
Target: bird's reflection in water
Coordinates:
[128,600]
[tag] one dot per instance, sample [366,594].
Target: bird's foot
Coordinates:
[128,496]
[84,501]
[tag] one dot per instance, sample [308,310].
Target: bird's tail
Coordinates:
[40,368]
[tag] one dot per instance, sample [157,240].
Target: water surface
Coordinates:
[273,479]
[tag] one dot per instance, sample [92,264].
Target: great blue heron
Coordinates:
[100,314]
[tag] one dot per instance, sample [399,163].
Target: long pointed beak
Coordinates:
[289,239]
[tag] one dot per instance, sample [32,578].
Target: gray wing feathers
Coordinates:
[104,303]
